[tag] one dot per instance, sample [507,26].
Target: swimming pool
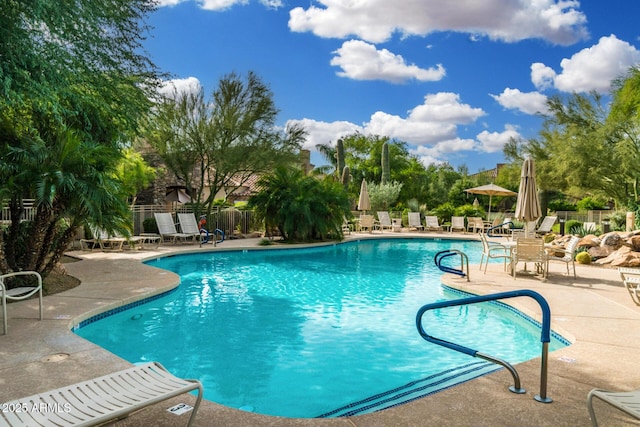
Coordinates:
[325,331]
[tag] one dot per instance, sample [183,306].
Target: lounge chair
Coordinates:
[432,223]
[19,293]
[167,229]
[628,402]
[631,279]
[457,223]
[189,225]
[104,241]
[565,254]
[529,250]
[414,221]
[546,225]
[493,250]
[102,399]
[384,221]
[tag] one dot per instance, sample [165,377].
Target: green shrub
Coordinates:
[561,205]
[444,212]
[570,224]
[548,238]
[590,204]
[149,225]
[265,242]
[583,258]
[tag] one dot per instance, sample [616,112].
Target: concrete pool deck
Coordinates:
[593,311]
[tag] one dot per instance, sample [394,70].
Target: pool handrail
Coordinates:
[545,336]
[464,261]
[495,227]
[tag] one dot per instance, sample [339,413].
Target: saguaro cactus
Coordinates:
[340,164]
[346,177]
[386,171]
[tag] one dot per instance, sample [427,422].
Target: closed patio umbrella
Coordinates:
[528,205]
[177,195]
[364,203]
[490,190]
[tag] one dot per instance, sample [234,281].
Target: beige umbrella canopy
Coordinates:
[177,195]
[364,203]
[491,190]
[528,205]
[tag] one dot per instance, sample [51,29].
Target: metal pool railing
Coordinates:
[545,336]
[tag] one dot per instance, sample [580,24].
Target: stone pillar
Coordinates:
[631,221]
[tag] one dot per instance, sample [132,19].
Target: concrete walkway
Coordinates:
[594,311]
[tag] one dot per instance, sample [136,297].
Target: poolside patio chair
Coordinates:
[529,250]
[546,225]
[414,221]
[384,221]
[189,225]
[475,224]
[565,255]
[104,241]
[631,279]
[432,223]
[367,223]
[493,250]
[19,293]
[457,223]
[106,398]
[626,401]
[167,229]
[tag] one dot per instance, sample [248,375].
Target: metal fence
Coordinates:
[229,220]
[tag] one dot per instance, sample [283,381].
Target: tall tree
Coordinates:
[75,83]
[225,140]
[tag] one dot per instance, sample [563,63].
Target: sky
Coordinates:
[453,79]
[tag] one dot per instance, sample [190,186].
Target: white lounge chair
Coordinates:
[19,293]
[167,229]
[457,223]
[189,225]
[384,221]
[414,221]
[631,279]
[628,402]
[102,399]
[546,225]
[432,223]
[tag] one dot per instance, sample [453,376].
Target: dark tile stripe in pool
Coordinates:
[515,311]
[122,308]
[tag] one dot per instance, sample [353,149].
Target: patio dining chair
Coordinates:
[529,250]
[19,293]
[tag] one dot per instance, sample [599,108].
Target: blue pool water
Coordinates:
[315,332]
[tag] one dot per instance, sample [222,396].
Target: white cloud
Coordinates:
[430,128]
[163,3]
[590,69]
[529,103]
[362,61]
[492,142]
[170,87]
[377,20]
[323,132]
[542,76]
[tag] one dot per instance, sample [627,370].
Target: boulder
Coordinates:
[611,240]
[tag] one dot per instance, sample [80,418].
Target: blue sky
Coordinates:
[453,79]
